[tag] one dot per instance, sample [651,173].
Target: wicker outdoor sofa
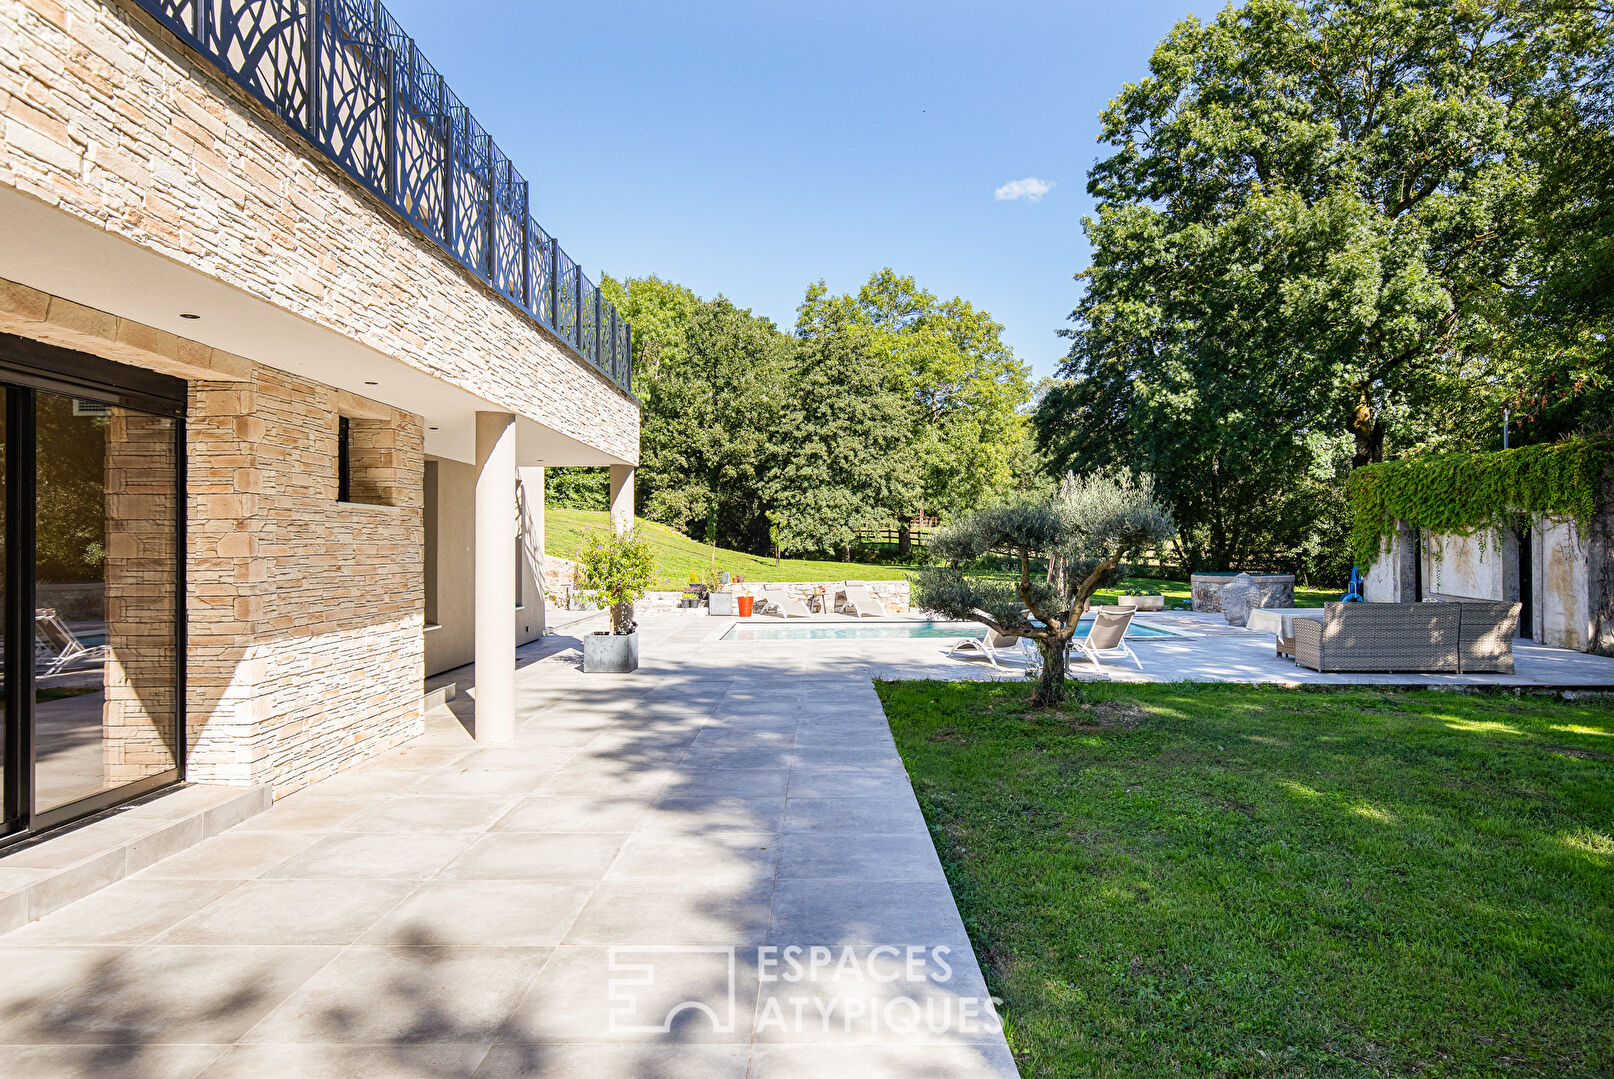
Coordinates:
[1454,638]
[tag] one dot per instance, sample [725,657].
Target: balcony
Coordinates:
[344,76]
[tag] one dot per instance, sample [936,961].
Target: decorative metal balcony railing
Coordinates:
[345,76]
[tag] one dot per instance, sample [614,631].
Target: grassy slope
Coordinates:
[677,556]
[1218,880]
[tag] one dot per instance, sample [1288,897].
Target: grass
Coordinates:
[1177,592]
[677,556]
[1222,880]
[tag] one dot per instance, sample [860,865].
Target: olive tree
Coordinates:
[1083,536]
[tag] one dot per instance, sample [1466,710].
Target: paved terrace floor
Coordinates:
[541,908]
[544,908]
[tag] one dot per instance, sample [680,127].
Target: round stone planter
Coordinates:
[1277,589]
[608,653]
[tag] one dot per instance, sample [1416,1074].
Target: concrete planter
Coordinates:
[721,604]
[607,653]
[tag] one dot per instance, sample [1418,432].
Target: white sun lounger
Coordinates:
[783,603]
[863,602]
[1108,634]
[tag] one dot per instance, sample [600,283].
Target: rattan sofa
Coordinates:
[1449,638]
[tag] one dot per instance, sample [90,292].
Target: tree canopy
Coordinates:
[1318,227]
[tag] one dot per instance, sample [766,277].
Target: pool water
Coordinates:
[857,631]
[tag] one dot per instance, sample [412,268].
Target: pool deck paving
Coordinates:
[713,867]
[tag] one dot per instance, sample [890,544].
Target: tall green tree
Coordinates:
[966,385]
[1310,218]
[843,457]
[710,423]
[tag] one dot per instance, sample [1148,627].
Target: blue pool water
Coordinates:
[868,631]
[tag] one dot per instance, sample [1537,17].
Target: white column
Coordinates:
[621,498]
[495,576]
[532,526]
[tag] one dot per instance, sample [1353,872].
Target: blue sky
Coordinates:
[751,148]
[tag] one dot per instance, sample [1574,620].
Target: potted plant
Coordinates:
[719,600]
[745,602]
[618,569]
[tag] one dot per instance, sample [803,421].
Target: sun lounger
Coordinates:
[69,649]
[783,603]
[1108,634]
[863,602]
[989,646]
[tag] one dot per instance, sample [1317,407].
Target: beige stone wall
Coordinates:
[305,613]
[141,540]
[106,119]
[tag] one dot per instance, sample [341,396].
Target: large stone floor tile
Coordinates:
[673,912]
[172,995]
[842,736]
[345,1061]
[892,814]
[517,913]
[537,856]
[432,813]
[985,1059]
[398,996]
[678,814]
[572,813]
[235,855]
[129,912]
[669,996]
[373,856]
[742,859]
[656,1061]
[872,857]
[727,783]
[616,780]
[861,913]
[122,1061]
[706,757]
[291,912]
[30,976]
[308,811]
[866,782]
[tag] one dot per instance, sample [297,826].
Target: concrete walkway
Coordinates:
[715,867]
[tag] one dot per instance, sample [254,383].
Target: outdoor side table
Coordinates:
[1280,622]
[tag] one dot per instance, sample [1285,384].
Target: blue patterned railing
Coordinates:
[345,76]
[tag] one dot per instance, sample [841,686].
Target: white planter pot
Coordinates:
[721,604]
[607,653]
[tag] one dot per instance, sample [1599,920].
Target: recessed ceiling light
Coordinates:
[367,382]
[192,317]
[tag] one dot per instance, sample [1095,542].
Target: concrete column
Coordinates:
[532,531]
[495,576]
[621,498]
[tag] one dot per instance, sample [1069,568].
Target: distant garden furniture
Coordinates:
[68,649]
[988,646]
[782,603]
[1280,622]
[1143,603]
[863,602]
[1465,637]
[1108,634]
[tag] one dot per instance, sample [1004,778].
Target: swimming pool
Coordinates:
[875,631]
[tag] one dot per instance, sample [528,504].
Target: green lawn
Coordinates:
[1220,880]
[677,556]
[1178,593]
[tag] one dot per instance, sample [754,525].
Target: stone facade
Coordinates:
[106,118]
[305,613]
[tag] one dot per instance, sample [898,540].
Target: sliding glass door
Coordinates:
[92,526]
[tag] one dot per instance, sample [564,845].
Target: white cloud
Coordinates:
[1030,188]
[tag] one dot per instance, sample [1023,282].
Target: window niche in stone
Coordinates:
[366,461]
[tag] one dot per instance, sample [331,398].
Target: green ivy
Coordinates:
[1461,493]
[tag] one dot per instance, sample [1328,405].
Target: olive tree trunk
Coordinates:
[1051,686]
